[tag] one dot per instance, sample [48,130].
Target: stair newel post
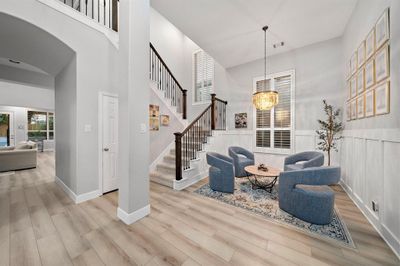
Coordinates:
[178,155]
[213,102]
[184,103]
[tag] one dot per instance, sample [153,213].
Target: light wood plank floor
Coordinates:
[40,225]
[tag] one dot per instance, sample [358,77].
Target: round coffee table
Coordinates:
[262,179]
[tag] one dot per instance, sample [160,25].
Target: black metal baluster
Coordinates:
[98,11]
[104,13]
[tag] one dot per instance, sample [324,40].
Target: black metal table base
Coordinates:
[257,184]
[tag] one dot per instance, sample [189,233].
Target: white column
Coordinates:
[134,33]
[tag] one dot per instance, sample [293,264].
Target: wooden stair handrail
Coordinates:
[180,135]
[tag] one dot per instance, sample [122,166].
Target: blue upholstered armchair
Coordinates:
[221,172]
[305,193]
[308,159]
[241,158]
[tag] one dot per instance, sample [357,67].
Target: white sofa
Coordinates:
[22,156]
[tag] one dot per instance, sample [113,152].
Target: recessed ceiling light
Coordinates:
[14,61]
[279,44]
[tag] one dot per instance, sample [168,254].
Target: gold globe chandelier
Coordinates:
[265,99]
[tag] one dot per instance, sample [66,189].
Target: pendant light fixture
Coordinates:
[265,99]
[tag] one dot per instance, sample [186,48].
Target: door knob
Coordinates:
[106,149]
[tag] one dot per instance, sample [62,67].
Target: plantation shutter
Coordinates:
[203,76]
[274,127]
[263,119]
[282,113]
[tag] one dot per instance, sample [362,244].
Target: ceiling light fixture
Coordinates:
[265,99]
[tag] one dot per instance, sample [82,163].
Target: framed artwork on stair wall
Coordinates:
[154,117]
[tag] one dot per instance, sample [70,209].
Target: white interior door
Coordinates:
[110,142]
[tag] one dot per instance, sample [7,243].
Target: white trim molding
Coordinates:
[78,16]
[130,218]
[77,198]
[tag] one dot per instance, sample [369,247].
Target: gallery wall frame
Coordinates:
[382,64]
[368,76]
[370,103]
[370,44]
[360,107]
[382,98]
[382,31]
[369,73]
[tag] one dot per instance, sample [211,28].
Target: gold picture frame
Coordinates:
[360,107]
[360,81]
[382,98]
[164,120]
[369,74]
[353,82]
[361,54]
[382,29]
[370,103]
[382,64]
[370,44]
[154,123]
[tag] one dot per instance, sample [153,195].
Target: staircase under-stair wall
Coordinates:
[183,162]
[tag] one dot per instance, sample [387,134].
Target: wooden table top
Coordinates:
[253,169]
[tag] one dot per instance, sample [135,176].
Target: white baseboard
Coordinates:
[130,218]
[87,196]
[386,234]
[77,198]
[187,182]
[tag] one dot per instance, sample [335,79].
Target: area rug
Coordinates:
[266,204]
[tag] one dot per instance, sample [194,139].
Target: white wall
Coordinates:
[95,71]
[318,76]
[371,147]
[159,140]
[14,94]
[177,50]
[66,125]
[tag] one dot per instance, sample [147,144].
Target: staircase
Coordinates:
[184,162]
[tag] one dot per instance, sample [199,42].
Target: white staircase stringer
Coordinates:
[198,167]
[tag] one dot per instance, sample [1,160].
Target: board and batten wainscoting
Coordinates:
[370,172]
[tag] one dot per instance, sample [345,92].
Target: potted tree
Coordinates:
[330,129]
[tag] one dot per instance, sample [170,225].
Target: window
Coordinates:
[274,128]
[203,66]
[40,125]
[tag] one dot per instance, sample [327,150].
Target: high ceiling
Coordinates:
[32,46]
[230,30]
[20,65]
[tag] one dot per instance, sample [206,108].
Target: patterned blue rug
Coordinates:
[266,204]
